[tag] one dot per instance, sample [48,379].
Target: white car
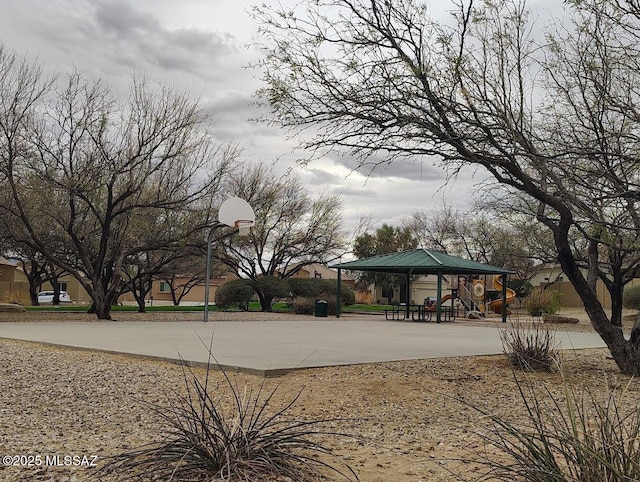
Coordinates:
[47,297]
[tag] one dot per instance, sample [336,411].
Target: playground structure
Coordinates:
[486,296]
[433,306]
[478,295]
[416,263]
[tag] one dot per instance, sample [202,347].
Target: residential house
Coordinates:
[551,276]
[160,293]
[71,285]
[14,284]
[12,288]
[320,271]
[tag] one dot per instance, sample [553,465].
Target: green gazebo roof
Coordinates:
[420,261]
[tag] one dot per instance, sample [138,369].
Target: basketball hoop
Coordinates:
[244,226]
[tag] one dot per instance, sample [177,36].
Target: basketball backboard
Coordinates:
[235,209]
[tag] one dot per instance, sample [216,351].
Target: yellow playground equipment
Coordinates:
[495,305]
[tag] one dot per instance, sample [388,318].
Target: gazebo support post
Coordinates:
[339,293]
[407,283]
[504,298]
[207,279]
[439,300]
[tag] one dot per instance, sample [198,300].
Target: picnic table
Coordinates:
[418,312]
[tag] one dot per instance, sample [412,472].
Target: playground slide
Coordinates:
[496,305]
[442,301]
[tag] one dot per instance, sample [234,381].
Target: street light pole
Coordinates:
[208,274]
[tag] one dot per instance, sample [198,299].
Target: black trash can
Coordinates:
[322,308]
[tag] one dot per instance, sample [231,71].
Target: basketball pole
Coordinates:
[208,274]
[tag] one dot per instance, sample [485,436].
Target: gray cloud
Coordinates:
[195,45]
[136,38]
[376,166]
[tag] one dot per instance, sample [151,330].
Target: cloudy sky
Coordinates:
[203,45]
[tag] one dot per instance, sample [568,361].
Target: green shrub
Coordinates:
[305,287]
[521,287]
[210,435]
[320,289]
[236,292]
[531,347]
[272,287]
[571,438]
[542,301]
[631,298]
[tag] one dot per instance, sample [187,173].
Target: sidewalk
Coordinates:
[274,347]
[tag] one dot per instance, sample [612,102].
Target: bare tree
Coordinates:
[554,118]
[484,235]
[292,229]
[82,171]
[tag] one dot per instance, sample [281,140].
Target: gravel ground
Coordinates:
[60,402]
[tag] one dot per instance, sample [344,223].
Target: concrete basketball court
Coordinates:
[275,347]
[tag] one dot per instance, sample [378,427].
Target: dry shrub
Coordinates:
[541,301]
[204,438]
[16,297]
[531,347]
[363,297]
[570,438]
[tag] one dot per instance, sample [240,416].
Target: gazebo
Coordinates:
[423,262]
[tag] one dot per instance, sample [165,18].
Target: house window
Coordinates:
[165,287]
[62,285]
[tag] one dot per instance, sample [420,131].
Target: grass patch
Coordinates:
[365,308]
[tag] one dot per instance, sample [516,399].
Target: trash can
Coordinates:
[322,308]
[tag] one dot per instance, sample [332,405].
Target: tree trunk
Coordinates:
[103,311]
[266,302]
[616,306]
[101,303]
[56,291]
[140,295]
[33,295]
[626,353]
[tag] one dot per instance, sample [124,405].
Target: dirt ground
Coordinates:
[411,419]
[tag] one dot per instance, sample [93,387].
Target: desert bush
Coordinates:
[306,306]
[206,436]
[631,298]
[15,297]
[363,297]
[574,437]
[542,301]
[531,347]
[236,292]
